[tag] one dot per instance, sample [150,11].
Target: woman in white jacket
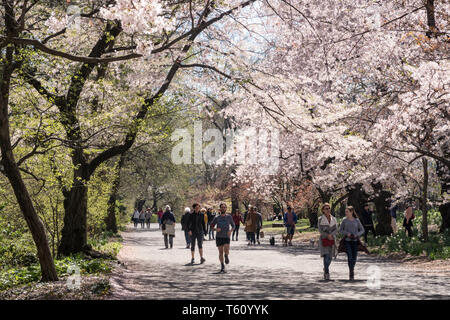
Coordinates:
[327,242]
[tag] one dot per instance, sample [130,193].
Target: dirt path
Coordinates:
[149,271]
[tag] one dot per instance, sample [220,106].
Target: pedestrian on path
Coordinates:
[184,221]
[211,217]
[160,214]
[250,221]
[327,242]
[168,227]
[237,219]
[148,217]
[197,229]
[223,222]
[367,221]
[135,218]
[290,219]
[351,228]
[205,217]
[259,225]
[142,218]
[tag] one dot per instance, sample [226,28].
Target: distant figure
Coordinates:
[211,216]
[290,219]
[184,221]
[168,227]
[160,214]
[407,221]
[148,217]
[205,217]
[259,225]
[367,222]
[393,212]
[142,218]
[251,223]
[327,242]
[352,229]
[237,219]
[136,215]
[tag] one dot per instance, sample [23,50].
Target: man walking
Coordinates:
[196,229]
[290,219]
[223,222]
[259,225]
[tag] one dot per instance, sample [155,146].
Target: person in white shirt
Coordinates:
[136,217]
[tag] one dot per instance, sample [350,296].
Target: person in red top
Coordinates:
[237,219]
[160,214]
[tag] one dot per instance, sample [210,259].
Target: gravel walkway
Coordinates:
[149,271]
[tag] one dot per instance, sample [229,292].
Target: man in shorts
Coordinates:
[223,222]
[290,219]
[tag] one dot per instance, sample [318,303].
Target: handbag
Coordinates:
[261,234]
[327,243]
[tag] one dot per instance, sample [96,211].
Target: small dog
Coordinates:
[285,239]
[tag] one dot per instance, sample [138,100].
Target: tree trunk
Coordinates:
[110,220]
[423,202]
[443,174]
[444,209]
[382,205]
[74,232]
[356,198]
[11,169]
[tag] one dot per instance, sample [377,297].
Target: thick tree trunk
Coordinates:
[356,198]
[74,232]
[382,205]
[444,209]
[110,220]
[9,163]
[423,202]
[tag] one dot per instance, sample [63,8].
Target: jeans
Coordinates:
[135,221]
[326,263]
[211,233]
[352,253]
[251,236]
[366,231]
[187,237]
[168,239]
[199,238]
[257,233]
[236,231]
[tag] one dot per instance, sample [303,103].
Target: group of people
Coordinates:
[223,228]
[142,217]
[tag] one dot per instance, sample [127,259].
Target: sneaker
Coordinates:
[222,268]
[326,276]
[249,243]
[192,261]
[259,242]
[352,276]
[202,260]
[290,244]
[227,261]
[188,246]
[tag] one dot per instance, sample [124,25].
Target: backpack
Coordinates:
[272,241]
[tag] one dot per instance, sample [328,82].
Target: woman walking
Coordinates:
[327,244]
[237,219]
[184,222]
[168,227]
[250,221]
[148,217]
[352,229]
[160,214]
[142,218]
[135,219]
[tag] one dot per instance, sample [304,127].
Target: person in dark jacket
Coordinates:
[168,227]
[197,229]
[211,216]
[184,221]
[237,219]
[367,222]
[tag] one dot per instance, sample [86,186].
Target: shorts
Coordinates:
[290,230]
[222,241]
[199,238]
